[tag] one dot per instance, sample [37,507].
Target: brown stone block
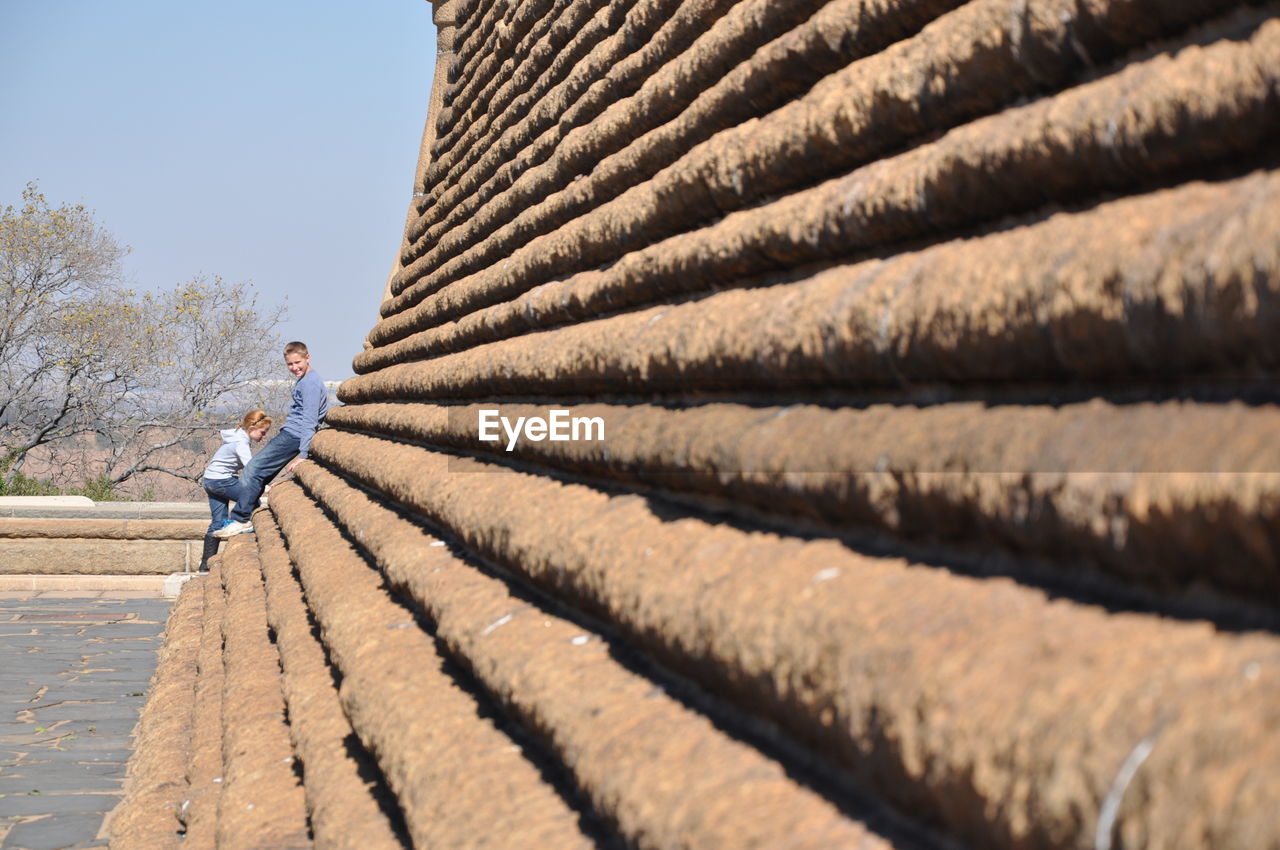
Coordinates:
[553,64]
[492,64]
[148,818]
[346,799]
[199,811]
[605,58]
[1200,266]
[663,773]
[1003,717]
[638,135]
[69,555]
[483,101]
[262,802]
[476,33]
[475,209]
[1174,497]
[104,529]
[459,780]
[1060,149]
[109,586]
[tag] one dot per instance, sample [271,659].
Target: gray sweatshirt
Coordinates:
[231,456]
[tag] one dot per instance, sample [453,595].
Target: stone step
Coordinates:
[616,733]
[148,818]
[909,679]
[982,312]
[90,583]
[1071,135]
[80,508]
[1174,498]
[343,782]
[500,185]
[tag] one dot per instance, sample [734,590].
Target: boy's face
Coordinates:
[297,364]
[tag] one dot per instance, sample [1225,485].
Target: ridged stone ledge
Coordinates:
[484,200]
[450,707]
[444,725]
[1175,498]
[996,308]
[931,689]
[1199,265]
[1058,149]
[865,109]
[213,765]
[46,537]
[935,345]
[162,746]
[617,734]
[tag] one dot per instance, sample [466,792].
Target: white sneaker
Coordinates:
[231,529]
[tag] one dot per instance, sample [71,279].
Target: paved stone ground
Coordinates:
[74,671]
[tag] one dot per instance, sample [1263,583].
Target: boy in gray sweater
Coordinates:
[288,448]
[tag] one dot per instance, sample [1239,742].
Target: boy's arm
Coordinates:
[314,403]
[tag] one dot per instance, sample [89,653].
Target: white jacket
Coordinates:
[231,456]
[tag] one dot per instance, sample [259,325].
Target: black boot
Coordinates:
[210,549]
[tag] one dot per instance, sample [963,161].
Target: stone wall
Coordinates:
[938,502]
[65,536]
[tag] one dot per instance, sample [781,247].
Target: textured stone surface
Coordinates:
[261,802]
[204,766]
[1200,266]
[105,529]
[1054,149]
[628,743]
[341,778]
[588,149]
[149,816]
[141,586]
[613,65]
[75,507]
[928,687]
[80,555]
[460,781]
[72,680]
[935,349]
[1175,497]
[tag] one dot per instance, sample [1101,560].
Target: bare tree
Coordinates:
[208,351]
[87,362]
[55,263]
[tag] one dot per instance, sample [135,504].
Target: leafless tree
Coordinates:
[87,361]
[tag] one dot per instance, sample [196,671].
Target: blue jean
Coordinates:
[274,457]
[220,491]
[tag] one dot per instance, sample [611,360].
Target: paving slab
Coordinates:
[78,800]
[20,586]
[81,753]
[76,672]
[66,830]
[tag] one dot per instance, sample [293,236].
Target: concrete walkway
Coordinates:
[75,667]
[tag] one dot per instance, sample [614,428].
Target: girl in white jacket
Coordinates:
[221,478]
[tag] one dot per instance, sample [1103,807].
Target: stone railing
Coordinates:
[938,496]
[75,536]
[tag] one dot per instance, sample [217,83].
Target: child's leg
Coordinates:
[217,504]
[274,457]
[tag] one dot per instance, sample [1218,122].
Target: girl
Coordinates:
[221,477]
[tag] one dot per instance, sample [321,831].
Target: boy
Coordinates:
[288,448]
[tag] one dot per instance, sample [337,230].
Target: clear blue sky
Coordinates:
[272,141]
